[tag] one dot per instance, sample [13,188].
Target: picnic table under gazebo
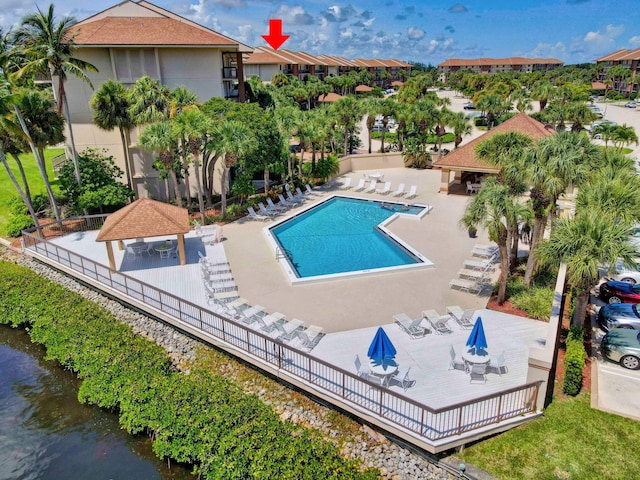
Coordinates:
[141,219]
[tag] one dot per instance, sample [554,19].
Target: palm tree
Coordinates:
[232,140]
[497,211]
[48,48]
[584,243]
[543,91]
[347,111]
[371,108]
[149,101]
[624,135]
[493,105]
[193,125]
[461,127]
[553,165]
[160,138]
[110,107]
[285,117]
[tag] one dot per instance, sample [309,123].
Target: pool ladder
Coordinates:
[283,253]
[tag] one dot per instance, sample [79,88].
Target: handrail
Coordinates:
[392,407]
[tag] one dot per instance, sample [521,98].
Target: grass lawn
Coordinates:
[36,184]
[571,441]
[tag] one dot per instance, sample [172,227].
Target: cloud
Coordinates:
[400,17]
[450,29]
[440,47]
[295,15]
[415,33]
[635,41]
[339,14]
[228,3]
[598,41]
[548,50]
[458,8]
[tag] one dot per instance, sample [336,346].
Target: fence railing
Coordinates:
[393,408]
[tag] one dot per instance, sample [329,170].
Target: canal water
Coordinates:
[45,433]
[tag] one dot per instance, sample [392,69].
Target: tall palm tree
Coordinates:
[584,243]
[543,91]
[110,107]
[461,127]
[285,117]
[48,48]
[624,135]
[149,101]
[160,138]
[370,108]
[553,165]
[180,99]
[193,125]
[347,112]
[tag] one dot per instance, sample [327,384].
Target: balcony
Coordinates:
[229,73]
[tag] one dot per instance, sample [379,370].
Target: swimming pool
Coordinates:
[344,236]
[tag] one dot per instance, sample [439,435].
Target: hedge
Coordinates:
[574,359]
[199,419]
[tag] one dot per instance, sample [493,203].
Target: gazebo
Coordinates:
[329,97]
[397,83]
[363,89]
[141,219]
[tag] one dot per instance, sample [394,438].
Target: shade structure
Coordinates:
[363,88]
[329,97]
[381,348]
[476,339]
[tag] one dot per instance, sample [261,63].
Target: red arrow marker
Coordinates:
[275,37]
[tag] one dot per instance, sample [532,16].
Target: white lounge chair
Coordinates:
[255,216]
[472,187]
[386,189]
[311,191]
[400,191]
[300,194]
[293,198]
[462,317]
[372,186]
[466,285]
[288,203]
[413,328]
[440,325]
[473,274]
[288,330]
[479,264]
[484,251]
[265,211]
[309,337]
[360,185]
[412,191]
[276,208]
[346,185]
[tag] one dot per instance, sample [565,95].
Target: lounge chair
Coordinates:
[300,194]
[440,325]
[372,186]
[456,362]
[309,337]
[287,203]
[402,377]
[477,373]
[276,208]
[265,211]
[288,330]
[479,264]
[255,216]
[346,185]
[474,274]
[385,190]
[400,191]
[295,199]
[498,364]
[360,185]
[484,251]
[412,327]
[462,317]
[311,191]
[466,285]
[412,191]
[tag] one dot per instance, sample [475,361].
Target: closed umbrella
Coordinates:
[476,339]
[381,348]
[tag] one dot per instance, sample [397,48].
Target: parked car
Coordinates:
[378,128]
[623,346]
[620,315]
[620,292]
[469,106]
[630,104]
[595,125]
[628,275]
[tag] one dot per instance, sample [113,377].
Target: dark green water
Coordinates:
[46,434]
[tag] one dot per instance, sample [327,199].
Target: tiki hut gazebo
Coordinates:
[363,89]
[329,97]
[141,219]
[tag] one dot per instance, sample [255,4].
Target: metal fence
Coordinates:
[344,386]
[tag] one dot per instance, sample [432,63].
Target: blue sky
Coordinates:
[573,31]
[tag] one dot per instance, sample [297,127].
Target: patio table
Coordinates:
[384,370]
[139,247]
[472,358]
[165,249]
[376,176]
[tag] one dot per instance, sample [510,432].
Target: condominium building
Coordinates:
[495,65]
[625,58]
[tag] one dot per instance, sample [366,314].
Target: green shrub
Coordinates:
[200,419]
[236,210]
[536,301]
[17,223]
[574,361]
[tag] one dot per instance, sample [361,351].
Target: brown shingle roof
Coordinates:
[598,86]
[144,31]
[363,88]
[144,218]
[465,156]
[329,97]
[622,54]
[476,62]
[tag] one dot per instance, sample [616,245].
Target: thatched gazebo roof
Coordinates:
[397,83]
[329,97]
[363,89]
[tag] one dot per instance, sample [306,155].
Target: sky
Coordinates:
[573,31]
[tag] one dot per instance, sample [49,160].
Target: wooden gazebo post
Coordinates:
[112,260]
[183,259]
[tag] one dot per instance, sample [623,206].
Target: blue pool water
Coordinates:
[340,235]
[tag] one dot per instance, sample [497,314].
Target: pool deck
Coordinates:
[351,309]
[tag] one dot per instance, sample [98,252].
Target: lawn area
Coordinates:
[8,191]
[571,441]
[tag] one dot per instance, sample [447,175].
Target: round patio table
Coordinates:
[383,370]
[472,358]
[165,250]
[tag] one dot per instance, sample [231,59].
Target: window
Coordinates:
[133,63]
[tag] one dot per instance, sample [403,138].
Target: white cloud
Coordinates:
[635,41]
[415,33]
[294,15]
[548,50]
[601,40]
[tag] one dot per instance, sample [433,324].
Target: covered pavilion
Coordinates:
[363,89]
[142,219]
[329,97]
[464,161]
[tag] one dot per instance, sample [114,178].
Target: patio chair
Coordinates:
[477,373]
[462,317]
[255,216]
[276,208]
[472,188]
[456,362]
[288,330]
[309,337]
[287,203]
[498,364]
[295,199]
[400,191]
[474,274]
[311,191]
[412,191]
[413,328]
[364,371]
[402,377]
[360,185]
[372,186]
[484,251]
[466,285]
[300,194]
[264,211]
[480,264]
[346,185]
[440,325]
[430,315]
[385,190]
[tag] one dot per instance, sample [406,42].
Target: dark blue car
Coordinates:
[620,315]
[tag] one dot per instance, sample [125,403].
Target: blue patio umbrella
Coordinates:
[381,348]
[476,339]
